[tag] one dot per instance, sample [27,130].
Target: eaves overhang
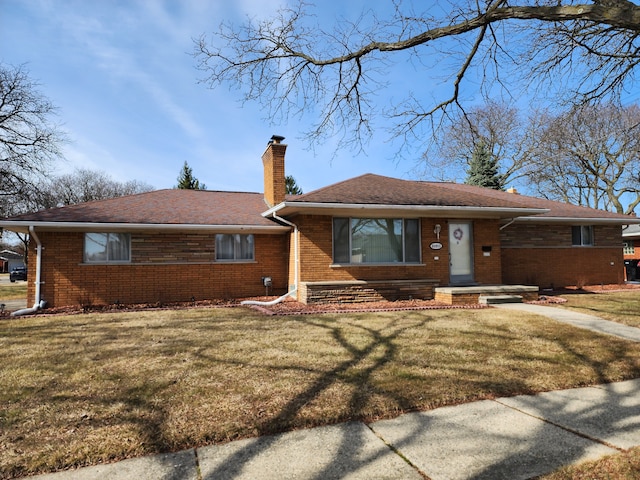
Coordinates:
[631,231]
[22,226]
[380,210]
[579,220]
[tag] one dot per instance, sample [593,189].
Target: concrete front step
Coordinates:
[495,299]
[467,295]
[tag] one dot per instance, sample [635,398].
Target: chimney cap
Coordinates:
[276,139]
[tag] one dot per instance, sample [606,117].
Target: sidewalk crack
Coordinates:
[563,427]
[398,452]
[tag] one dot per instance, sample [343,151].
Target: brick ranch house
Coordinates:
[368,237]
[631,239]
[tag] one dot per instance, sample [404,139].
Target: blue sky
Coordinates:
[126,85]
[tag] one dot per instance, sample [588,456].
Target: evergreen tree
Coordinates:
[483,169]
[186,180]
[291,186]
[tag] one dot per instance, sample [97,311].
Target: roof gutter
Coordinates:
[428,209]
[580,220]
[24,226]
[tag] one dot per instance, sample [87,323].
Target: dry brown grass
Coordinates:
[621,307]
[624,466]
[13,291]
[83,389]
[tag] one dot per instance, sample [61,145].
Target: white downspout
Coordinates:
[296,261]
[38,303]
[507,224]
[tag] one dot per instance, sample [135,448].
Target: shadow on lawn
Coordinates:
[366,359]
[368,353]
[539,450]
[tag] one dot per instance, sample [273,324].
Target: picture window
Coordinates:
[376,240]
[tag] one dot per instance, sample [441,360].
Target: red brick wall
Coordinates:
[488,265]
[537,254]
[184,269]
[317,257]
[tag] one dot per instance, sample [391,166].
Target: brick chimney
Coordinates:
[273,163]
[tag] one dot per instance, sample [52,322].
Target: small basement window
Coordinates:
[107,247]
[234,247]
[582,235]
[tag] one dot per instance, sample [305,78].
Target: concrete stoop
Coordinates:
[498,299]
[474,294]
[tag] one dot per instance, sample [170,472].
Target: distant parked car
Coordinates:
[18,273]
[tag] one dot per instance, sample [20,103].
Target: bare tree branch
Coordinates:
[590,156]
[29,141]
[293,67]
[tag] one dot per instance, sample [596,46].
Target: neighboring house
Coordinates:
[631,240]
[10,260]
[368,237]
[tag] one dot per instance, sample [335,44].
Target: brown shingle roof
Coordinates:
[217,208]
[370,189]
[556,209]
[379,190]
[168,207]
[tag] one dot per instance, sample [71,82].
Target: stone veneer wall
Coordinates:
[365,291]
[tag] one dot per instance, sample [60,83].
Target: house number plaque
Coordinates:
[435,246]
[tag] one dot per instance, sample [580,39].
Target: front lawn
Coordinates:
[621,307]
[83,389]
[623,466]
[13,291]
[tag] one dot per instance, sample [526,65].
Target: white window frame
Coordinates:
[108,253]
[237,239]
[583,229]
[352,256]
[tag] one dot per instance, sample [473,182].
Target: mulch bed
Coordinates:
[292,307]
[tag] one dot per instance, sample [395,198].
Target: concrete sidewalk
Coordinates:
[576,319]
[507,438]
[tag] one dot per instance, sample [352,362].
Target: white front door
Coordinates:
[460,252]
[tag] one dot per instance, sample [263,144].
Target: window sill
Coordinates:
[234,261]
[106,263]
[386,264]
